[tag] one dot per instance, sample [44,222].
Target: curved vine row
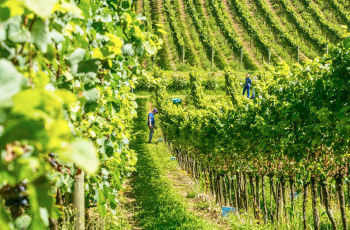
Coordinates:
[341,11]
[304,31]
[334,32]
[286,39]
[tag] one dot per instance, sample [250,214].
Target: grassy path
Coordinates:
[159,205]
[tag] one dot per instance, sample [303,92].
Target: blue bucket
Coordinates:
[172,158]
[177,100]
[295,195]
[227,210]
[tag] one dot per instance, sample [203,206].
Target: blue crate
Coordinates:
[227,210]
[177,100]
[295,195]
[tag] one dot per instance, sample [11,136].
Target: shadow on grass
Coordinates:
[160,206]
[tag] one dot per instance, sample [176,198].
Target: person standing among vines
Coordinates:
[151,124]
[248,83]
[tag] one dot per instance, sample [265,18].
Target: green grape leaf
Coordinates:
[41,79]
[346,42]
[83,154]
[56,36]
[113,201]
[3,32]
[92,95]
[44,214]
[101,203]
[40,35]
[15,32]
[120,33]
[343,111]
[42,186]
[139,49]
[71,8]
[5,220]
[149,48]
[125,5]
[10,81]
[141,18]
[23,222]
[84,5]
[42,10]
[56,212]
[81,41]
[104,16]
[76,57]
[68,76]
[51,53]
[4,13]
[162,31]
[26,130]
[88,68]
[128,50]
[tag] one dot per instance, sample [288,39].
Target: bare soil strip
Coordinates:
[139,6]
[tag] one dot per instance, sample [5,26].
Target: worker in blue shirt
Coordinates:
[151,124]
[248,83]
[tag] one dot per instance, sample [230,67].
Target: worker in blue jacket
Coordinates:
[248,83]
[151,124]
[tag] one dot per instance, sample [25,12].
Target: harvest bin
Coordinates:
[227,210]
[177,101]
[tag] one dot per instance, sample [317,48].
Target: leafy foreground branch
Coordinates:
[65,107]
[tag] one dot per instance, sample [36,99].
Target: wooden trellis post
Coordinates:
[79,200]
[183,54]
[298,52]
[241,60]
[212,57]
[154,59]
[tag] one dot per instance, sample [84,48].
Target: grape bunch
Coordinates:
[53,162]
[16,196]
[51,159]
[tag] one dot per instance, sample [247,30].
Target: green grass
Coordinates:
[160,206]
